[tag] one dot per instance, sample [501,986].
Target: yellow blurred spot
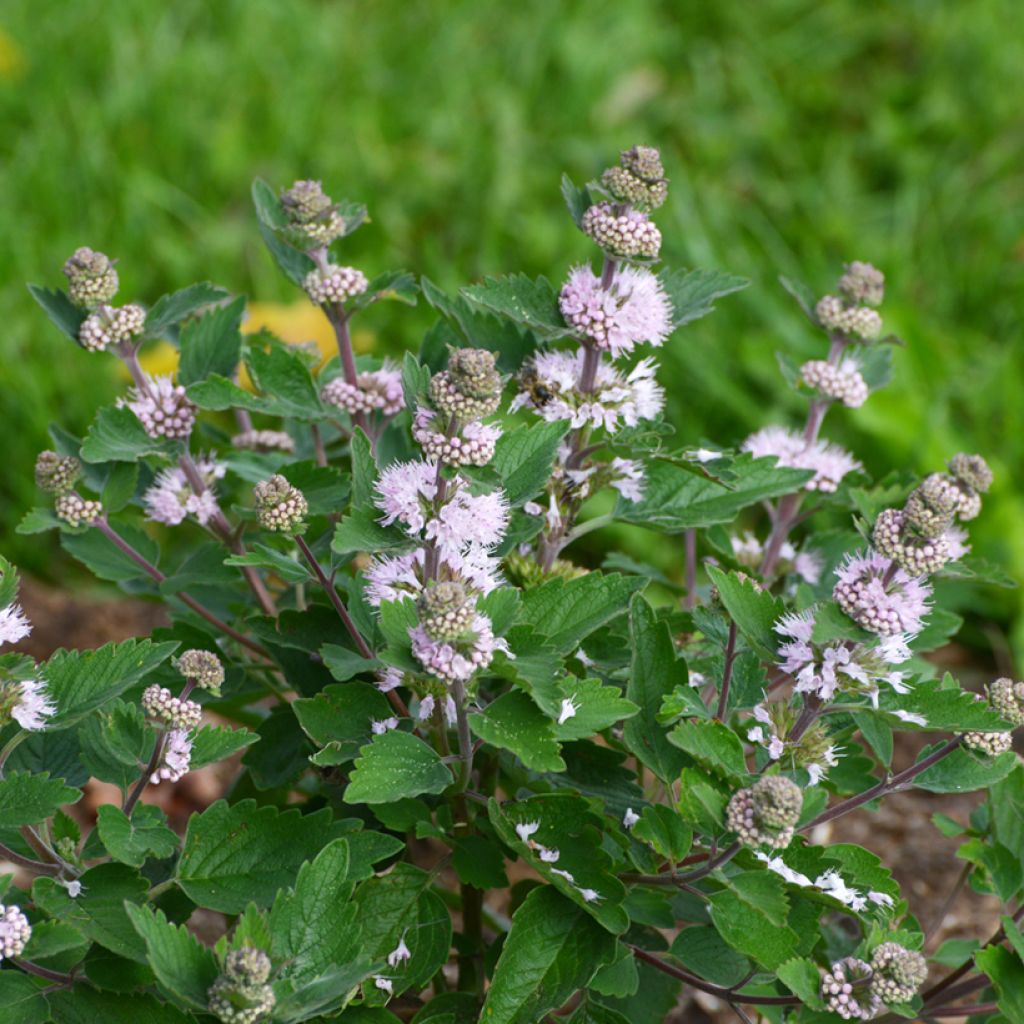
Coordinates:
[159,358]
[12,61]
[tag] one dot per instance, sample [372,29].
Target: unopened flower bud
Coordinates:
[919,556]
[279,506]
[971,470]
[234,1005]
[897,972]
[111,325]
[374,391]
[862,283]
[203,668]
[160,704]
[629,235]
[57,473]
[931,507]
[471,386]
[76,510]
[843,383]
[845,990]
[855,321]
[767,813]
[1007,700]
[247,966]
[639,180]
[15,931]
[163,408]
[334,284]
[264,441]
[988,744]
[92,279]
[313,218]
[446,610]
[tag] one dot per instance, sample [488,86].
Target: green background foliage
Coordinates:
[797,135]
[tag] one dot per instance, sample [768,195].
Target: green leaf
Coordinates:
[234,854]
[82,1004]
[552,951]
[596,706]
[99,910]
[566,611]
[943,705]
[81,681]
[675,498]
[964,772]
[394,285]
[344,663]
[120,486]
[704,951]
[712,744]
[393,766]
[831,623]
[117,743]
[653,674]
[285,381]
[513,722]
[272,217]
[754,609]
[63,313]
[26,799]
[523,458]
[415,382]
[751,913]
[480,862]
[360,531]
[804,295]
[878,733]
[1007,974]
[116,435]
[595,1013]
[578,200]
[37,520]
[802,977]
[171,309]
[131,840]
[22,999]
[215,743]
[212,344]
[693,292]
[314,926]
[342,716]
[184,967]
[515,297]
[263,557]
[662,829]
[103,559]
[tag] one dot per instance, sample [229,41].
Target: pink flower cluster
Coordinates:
[171,497]
[829,462]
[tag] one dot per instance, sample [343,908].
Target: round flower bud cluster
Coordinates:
[843,383]
[57,473]
[279,506]
[855,321]
[264,441]
[878,600]
[931,506]
[918,555]
[988,744]
[862,283]
[15,931]
[241,995]
[374,391]
[313,218]
[845,990]
[76,510]
[159,703]
[334,284]
[470,388]
[163,408]
[629,235]
[110,326]
[446,610]
[639,180]
[972,477]
[203,668]
[473,445]
[1007,700]
[897,972]
[767,813]
[92,279]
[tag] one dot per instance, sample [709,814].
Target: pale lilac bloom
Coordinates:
[477,567]
[956,542]
[886,608]
[881,898]
[171,497]
[628,479]
[393,577]
[548,856]
[383,725]
[389,679]
[384,984]
[466,519]
[74,887]
[450,663]
[426,708]
[567,875]
[589,895]
[525,829]
[403,490]
[634,310]
[162,407]
[14,624]
[780,867]
[910,717]
[829,462]
[747,550]
[630,818]
[706,455]
[568,710]
[531,508]
[34,705]
[177,755]
[399,954]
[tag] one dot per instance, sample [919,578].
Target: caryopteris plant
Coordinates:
[473,778]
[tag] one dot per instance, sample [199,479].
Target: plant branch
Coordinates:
[43,972]
[27,862]
[690,545]
[730,658]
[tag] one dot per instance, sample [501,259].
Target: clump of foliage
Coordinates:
[473,779]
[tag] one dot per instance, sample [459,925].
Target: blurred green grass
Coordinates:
[797,135]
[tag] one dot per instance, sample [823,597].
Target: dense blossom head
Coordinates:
[14,624]
[202,668]
[15,931]
[110,325]
[829,462]
[161,705]
[313,218]
[919,555]
[279,506]
[457,660]
[853,321]
[843,383]
[374,391]
[404,493]
[879,596]
[550,386]
[862,283]
[639,180]
[264,441]
[163,408]
[898,972]
[75,510]
[55,473]
[470,444]
[629,234]
[92,277]
[469,519]
[470,388]
[634,310]
[331,284]
[171,497]
[175,757]
[845,990]
[767,813]
[446,610]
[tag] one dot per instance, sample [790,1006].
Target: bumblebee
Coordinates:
[540,392]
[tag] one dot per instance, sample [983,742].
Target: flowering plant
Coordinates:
[472,779]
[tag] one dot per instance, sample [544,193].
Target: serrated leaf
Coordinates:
[22,999]
[116,435]
[480,862]
[653,674]
[63,313]
[285,382]
[394,285]
[37,520]
[132,840]
[663,830]
[393,766]
[693,292]
[1007,973]
[943,705]
[552,951]
[704,951]
[171,309]
[415,382]
[81,681]
[360,531]
[594,705]
[234,854]
[964,772]
[105,560]
[82,1004]
[513,722]
[566,611]
[212,344]
[214,743]
[577,199]
[751,913]
[184,968]
[523,458]
[515,297]
[116,744]
[342,715]
[754,609]
[702,801]
[263,557]
[712,744]
[804,296]
[27,799]
[802,977]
